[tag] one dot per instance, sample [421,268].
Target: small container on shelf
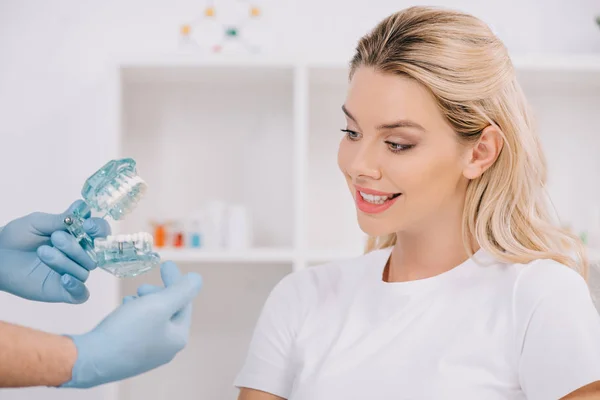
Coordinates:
[239,228]
[195,233]
[214,220]
[160,234]
[178,236]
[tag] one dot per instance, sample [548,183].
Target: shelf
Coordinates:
[266,255]
[131,60]
[565,61]
[229,74]
[257,255]
[163,65]
[219,70]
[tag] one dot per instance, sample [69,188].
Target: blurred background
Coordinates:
[231,109]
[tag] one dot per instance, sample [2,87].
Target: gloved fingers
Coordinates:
[45,223]
[142,291]
[97,227]
[183,317]
[148,289]
[169,273]
[60,263]
[127,299]
[76,291]
[69,246]
[180,294]
[77,203]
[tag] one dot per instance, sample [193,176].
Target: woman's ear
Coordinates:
[484,153]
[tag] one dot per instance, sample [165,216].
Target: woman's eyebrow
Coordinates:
[403,123]
[345,110]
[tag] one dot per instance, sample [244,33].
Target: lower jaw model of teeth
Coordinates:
[126,255]
[114,190]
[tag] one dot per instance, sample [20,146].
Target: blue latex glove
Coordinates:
[147,331]
[40,260]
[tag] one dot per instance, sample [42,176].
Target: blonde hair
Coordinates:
[468,70]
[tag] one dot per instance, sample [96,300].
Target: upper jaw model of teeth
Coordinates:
[126,190]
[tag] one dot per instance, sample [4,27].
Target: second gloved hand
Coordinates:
[146,332]
[40,261]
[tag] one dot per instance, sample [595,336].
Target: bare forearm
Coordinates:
[33,358]
[588,392]
[251,394]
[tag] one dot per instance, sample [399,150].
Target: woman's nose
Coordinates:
[365,163]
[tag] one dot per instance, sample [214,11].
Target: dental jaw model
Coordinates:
[114,190]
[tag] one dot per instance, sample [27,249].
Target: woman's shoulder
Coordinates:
[546,280]
[545,275]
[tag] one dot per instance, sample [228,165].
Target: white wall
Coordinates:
[55,93]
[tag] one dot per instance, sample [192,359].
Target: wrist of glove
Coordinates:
[147,331]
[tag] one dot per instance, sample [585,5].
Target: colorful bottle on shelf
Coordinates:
[178,239]
[194,232]
[195,240]
[160,235]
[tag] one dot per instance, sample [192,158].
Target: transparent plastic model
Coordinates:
[114,190]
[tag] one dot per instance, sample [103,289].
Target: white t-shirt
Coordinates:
[483,330]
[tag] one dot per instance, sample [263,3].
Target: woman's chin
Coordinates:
[373,228]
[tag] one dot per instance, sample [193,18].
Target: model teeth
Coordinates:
[139,240]
[126,192]
[374,199]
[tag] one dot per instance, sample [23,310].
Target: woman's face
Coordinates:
[402,160]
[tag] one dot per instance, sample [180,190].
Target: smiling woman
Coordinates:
[468,290]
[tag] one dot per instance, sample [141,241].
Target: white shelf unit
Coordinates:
[265,133]
[252,256]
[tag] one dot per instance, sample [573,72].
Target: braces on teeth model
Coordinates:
[114,190]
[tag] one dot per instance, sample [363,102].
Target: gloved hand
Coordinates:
[40,261]
[146,332]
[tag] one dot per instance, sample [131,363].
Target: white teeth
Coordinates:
[371,198]
[126,186]
[140,241]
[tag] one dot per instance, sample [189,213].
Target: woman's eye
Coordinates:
[397,147]
[351,135]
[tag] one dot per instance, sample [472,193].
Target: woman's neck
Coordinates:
[428,252]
